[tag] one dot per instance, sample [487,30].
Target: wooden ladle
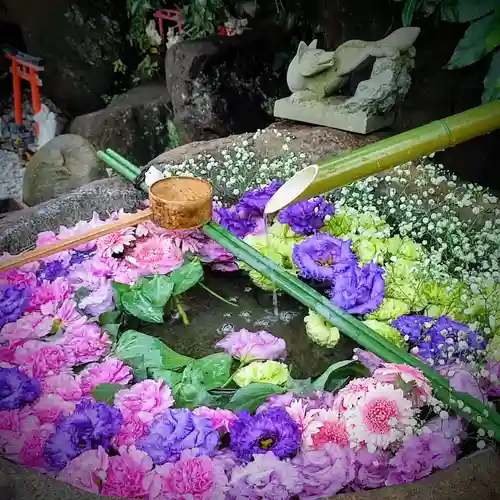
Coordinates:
[176,203]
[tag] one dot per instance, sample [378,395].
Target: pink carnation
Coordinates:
[111,371]
[64,314]
[248,346]
[30,453]
[81,227]
[128,475]
[421,390]
[192,477]
[87,471]
[20,278]
[57,291]
[130,432]
[49,408]
[88,343]
[115,242]
[221,419]
[40,359]
[10,420]
[156,255]
[144,400]
[7,354]
[30,326]
[65,385]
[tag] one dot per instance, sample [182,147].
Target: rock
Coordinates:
[65,163]
[226,85]
[472,477]
[79,71]
[135,124]
[19,230]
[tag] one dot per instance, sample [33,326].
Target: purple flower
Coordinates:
[234,223]
[325,471]
[411,325]
[265,478]
[419,456]
[16,389]
[14,300]
[52,270]
[493,388]
[372,469]
[464,378]
[252,204]
[450,428]
[90,426]
[177,430]
[322,257]
[272,430]
[368,359]
[306,217]
[359,290]
[79,257]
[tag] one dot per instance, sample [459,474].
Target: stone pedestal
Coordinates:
[329,113]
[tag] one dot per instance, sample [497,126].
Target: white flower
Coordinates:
[153,175]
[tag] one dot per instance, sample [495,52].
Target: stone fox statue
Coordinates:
[315,73]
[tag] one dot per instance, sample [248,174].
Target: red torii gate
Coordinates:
[24,67]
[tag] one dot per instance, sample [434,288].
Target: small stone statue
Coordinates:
[315,75]
[172,37]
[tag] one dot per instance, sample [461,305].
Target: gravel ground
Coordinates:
[11,175]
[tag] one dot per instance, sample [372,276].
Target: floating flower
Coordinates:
[308,216]
[234,223]
[380,418]
[53,269]
[90,426]
[390,309]
[50,407]
[412,326]
[87,343]
[306,418]
[64,384]
[265,478]
[213,253]
[320,331]
[129,474]
[271,430]
[192,476]
[249,346]
[268,372]
[16,389]
[115,243]
[177,430]
[388,332]
[411,380]
[99,300]
[144,400]
[419,456]
[368,359]
[350,395]
[64,315]
[30,326]
[332,429]
[82,227]
[155,255]
[14,300]
[87,471]
[221,419]
[111,371]
[359,290]
[324,472]
[186,241]
[57,291]
[372,469]
[322,257]
[253,203]
[130,432]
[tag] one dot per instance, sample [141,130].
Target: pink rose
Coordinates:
[30,326]
[249,346]
[87,343]
[49,408]
[221,419]
[66,385]
[87,471]
[128,475]
[196,478]
[144,400]
[111,371]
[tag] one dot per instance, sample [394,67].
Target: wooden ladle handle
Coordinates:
[100,231]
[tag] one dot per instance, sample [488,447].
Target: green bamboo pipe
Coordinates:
[117,166]
[117,157]
[372,159]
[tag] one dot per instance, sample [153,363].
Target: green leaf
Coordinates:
[81,293]
[158,290]
[493,39]
[119,289]
[135,347]
[252,396]
[338,374]
[105,393]
[112,329]
[110,318]
[186,276]
[429,7]
[170,377]
[465,11]
[300,387]
[492,79]
[409,10]
[473,46]
[210,372]
[191,396]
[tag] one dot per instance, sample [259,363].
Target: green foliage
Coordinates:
[481,38]
[339,374]
[173,139]
[105,393]
[202,17]
[250,397]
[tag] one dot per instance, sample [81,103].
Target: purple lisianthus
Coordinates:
[359,290]
[52,270]
[272,430]
[16,389]
[90,426]
[234,223]
[14,300]
[252,204]
[322,257]
[177,430]
[372,469]
[306,217]
[412,326]
[419,456]
[265,478]
[326,471]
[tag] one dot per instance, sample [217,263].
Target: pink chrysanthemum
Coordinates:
[115,242]
[221,419]
[186,241]
[353,392]
[421,391]
[307,420]
[332,429]
[380,418]
[155,255]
